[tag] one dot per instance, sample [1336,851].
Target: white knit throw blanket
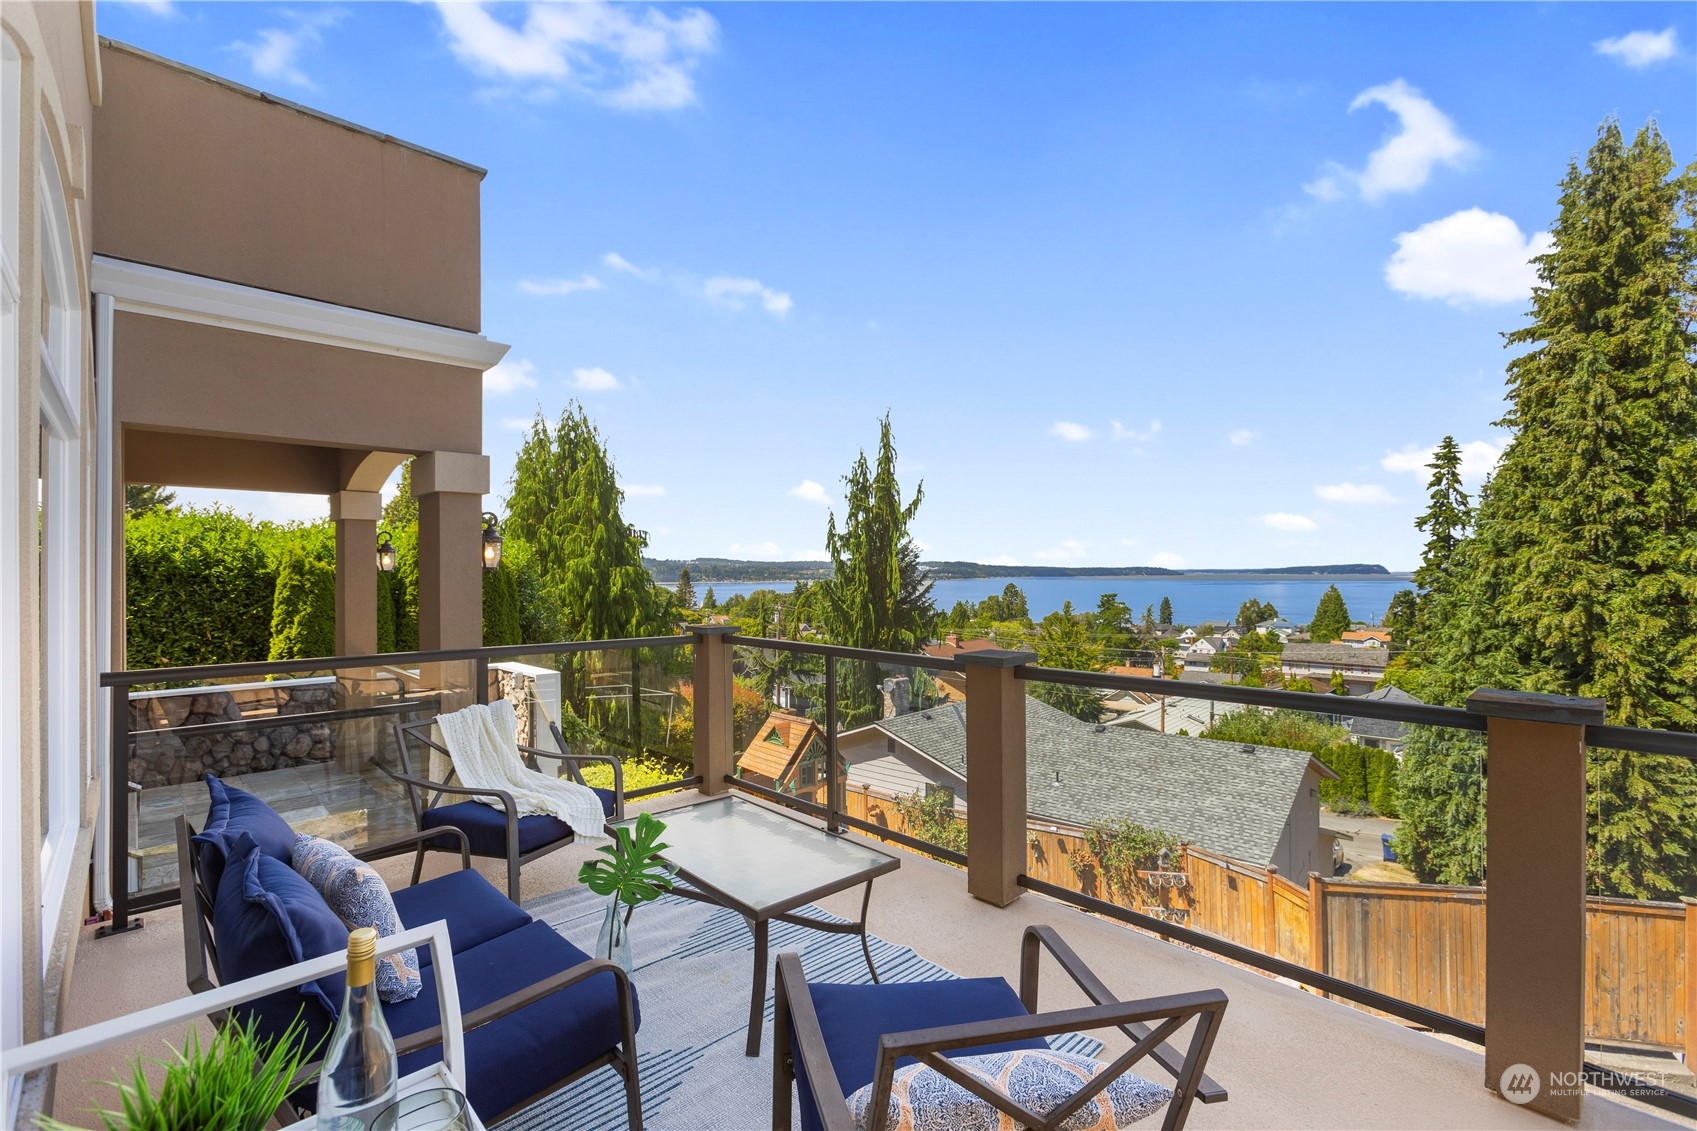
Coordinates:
[483,741]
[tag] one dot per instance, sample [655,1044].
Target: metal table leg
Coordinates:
[757,1006]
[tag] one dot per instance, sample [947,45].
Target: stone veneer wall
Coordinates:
[166,757]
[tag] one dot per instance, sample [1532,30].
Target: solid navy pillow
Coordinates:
[233,812]
[267,917]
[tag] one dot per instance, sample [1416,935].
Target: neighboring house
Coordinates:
[1361,667]
[1256,804]
[1187,635]
[1231,635]
[1163,714]
[1382,733]
[1207,646]
[787,752]
[1370,637]
[1281,628]
[951,686]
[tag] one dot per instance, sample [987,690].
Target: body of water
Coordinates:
[1195,599]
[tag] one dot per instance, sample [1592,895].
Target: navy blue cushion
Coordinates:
[234,812]
[854,1017]
[511,1060]
[486,826]
[267,917]
[475,911]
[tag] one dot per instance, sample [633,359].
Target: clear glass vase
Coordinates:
[614,941]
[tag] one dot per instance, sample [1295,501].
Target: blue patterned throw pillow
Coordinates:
[923,1099]
[358,895]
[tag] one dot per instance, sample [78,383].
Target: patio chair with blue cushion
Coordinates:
[500,833]
[966,1051]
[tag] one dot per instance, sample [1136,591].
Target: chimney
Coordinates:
[952,640]
[897,700]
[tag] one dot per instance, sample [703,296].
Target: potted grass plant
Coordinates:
[236,1082]
[632,874]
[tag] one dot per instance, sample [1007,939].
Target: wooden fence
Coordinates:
[1423,943]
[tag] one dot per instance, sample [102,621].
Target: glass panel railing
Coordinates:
[1346,846]
[1641,914]
[304,743]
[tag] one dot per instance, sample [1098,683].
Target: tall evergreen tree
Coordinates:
[1446,518]
[1581,574]
[1331,617]
[1014,605]
[139,498]
[1400,616]
[565,506]
[871,600]
[686,589]
[1166,610]
[709,602]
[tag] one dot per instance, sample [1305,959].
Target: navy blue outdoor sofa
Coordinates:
[538,1012]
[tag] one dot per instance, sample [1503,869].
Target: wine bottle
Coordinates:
[358,1080]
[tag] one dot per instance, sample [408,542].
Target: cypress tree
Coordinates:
[1446,518]
[303,610]
[1166,610]
[1331,617]
[686,589]
[564,506]
[871,601]
[1581,575]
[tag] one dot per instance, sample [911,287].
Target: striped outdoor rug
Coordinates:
[693,968]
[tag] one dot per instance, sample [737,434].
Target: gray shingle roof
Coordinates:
[1341,654]
[1383,728]
[1228,797]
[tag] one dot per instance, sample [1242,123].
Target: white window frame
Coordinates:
[61,403]
[11,660]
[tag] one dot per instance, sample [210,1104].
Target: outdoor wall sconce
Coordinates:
[491,542]
[385,553]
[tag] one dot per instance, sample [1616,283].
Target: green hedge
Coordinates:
[1366,781]
[303,610]
[199,587]
[500,607]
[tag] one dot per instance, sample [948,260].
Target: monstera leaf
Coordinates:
[633,872]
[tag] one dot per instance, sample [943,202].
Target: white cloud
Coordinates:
[586,282]
[644,490]
[596,380]
[1240,437]
[509,377]
[157,7]
[757,550]
[810,492]
[734,293]
[619,263]
[1121,432]
[1426,139]
[629,57]
[274,506]
[1281,520]
[1469,256]
[518,423]
[1070,432]
[1640,49]
[1070,550]
[1478,460]
[1166,559]
[275,51]
[812,556]
[1353,493]
[1003,560]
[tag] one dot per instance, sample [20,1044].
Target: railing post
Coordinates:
[118,812]
[1317,924]
[1535,901]
[995,774]
[715,748]
[833,800]
[1690,983]
[1270,911]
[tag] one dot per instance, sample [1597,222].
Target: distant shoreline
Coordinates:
[725,571]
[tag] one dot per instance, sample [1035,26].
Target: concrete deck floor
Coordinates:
[1289,1058]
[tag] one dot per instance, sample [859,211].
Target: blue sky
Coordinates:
[1139,284]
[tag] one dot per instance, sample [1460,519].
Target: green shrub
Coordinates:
[199,588]
[303,611]
[500,607]
[932,819]
[1120,850]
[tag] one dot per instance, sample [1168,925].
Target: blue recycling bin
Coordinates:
[1385,847]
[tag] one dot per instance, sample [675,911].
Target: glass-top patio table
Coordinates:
[763,865]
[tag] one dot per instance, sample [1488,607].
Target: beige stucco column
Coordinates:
[1535,897]
[355,514]
[450,487]
[995,774]
[715,747]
